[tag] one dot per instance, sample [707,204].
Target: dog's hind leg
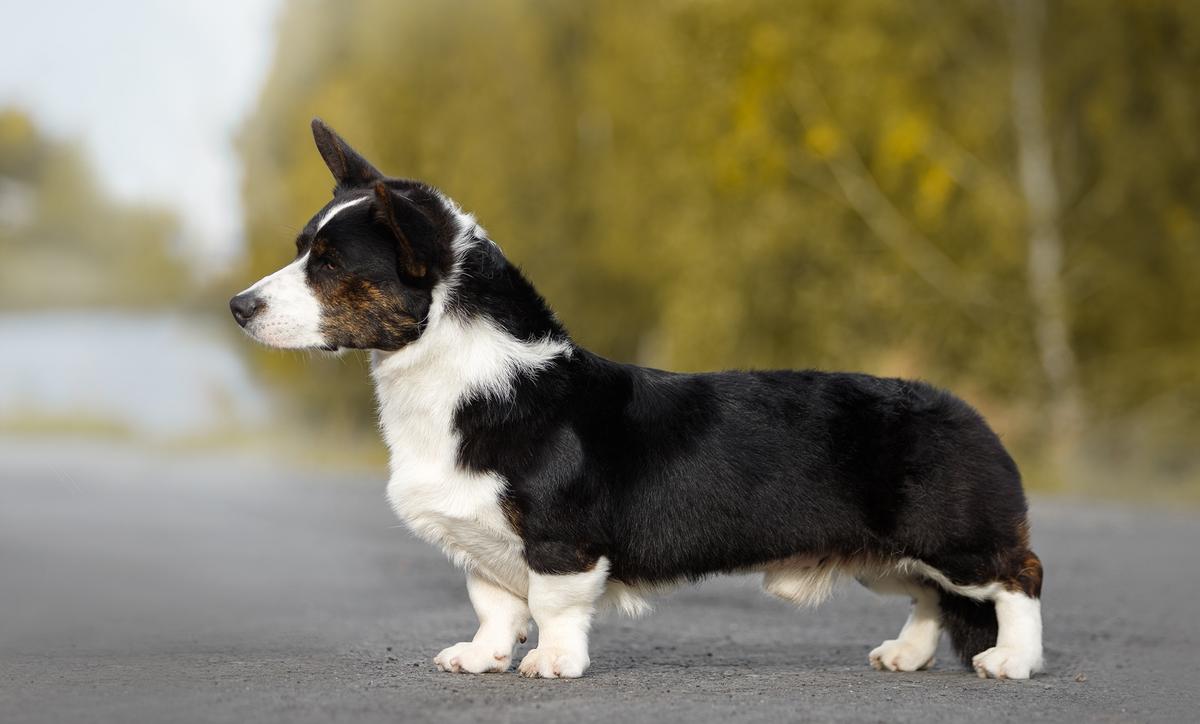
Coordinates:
[1018,650]
[914,646]
[994,620]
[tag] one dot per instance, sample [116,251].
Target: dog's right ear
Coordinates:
[349,168]
[408,224]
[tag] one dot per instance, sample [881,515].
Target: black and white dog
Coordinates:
[563,482]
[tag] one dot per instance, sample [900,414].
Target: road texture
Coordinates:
[139,588]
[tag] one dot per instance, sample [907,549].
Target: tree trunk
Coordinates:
[1045,254]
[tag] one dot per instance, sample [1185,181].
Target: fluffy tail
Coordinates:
[970,623]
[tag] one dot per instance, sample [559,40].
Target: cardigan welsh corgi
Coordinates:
[562,482]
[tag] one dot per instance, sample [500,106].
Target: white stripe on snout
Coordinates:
[290,270]
[328,215]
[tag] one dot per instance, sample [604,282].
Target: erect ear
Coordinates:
[408,224]
[347,166]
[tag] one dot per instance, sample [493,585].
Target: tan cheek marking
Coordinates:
[358,312]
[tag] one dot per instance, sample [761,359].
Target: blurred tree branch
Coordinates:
[1045,252]
[862,193]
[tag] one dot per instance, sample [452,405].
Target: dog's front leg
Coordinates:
[562,605]
[503,621]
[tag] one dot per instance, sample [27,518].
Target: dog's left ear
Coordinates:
[411,227]
[349,168]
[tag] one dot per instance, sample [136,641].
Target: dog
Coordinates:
[563,482]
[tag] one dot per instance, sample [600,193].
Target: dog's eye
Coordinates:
[329,265]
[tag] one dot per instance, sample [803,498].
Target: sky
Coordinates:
[154,90]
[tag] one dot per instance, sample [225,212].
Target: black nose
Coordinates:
[244,307]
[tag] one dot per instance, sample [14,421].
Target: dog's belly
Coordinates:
[461,513]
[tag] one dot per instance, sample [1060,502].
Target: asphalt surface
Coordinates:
[138,588]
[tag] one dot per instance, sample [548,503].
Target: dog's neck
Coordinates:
[487,326]
[483,283]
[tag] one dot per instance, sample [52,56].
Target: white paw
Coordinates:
[1000,662]
[897,655]
[551,663]
[469,657]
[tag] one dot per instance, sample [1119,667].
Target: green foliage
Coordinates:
[768,183]
[64,242]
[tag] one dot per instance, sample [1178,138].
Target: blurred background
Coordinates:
[1002,198]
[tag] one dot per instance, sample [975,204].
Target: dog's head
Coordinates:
[366,264]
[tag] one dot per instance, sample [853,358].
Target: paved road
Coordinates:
[138,588]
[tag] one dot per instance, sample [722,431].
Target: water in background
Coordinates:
[157,375]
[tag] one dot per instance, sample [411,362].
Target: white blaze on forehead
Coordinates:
[332,212]
[291,317]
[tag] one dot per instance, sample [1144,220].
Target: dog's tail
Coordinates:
[970,623]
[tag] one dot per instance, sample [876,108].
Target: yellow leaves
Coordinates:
[857,44]
[16,128]
[906,149]
[756,151]
[903,140]
[1180,223]
[19,143]
[768,42]
[933,190]
[823,139]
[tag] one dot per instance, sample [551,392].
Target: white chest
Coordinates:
[419,388]
[459,512]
